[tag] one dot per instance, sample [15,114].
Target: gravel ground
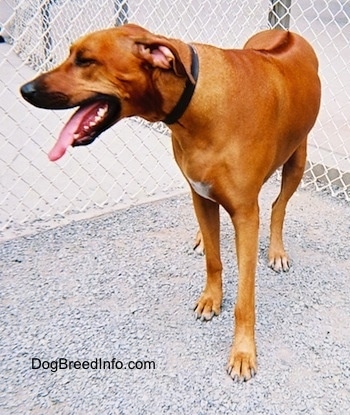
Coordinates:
[123,285]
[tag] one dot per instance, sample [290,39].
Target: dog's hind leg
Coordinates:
[199,244]
[292,174]
[207,212]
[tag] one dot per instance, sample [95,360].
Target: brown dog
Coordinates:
[235,117]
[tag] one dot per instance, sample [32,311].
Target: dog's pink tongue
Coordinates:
[66,137]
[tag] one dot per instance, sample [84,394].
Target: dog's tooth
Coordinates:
[86,128]
[76,135]
[92,123]
[102,111]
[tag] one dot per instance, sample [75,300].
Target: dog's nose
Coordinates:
[28,90]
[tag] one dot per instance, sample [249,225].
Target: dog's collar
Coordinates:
[187,94]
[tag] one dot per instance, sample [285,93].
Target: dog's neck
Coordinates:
[187,94]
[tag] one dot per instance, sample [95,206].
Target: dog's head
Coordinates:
[109,75]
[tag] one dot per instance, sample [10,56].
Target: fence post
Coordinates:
[46,25]
[279,15]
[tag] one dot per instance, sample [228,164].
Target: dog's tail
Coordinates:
[270,40]
[281,41]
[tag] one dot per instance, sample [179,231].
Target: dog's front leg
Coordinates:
[242,361]
[207,212]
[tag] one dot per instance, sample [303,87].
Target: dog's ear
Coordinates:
[165,53]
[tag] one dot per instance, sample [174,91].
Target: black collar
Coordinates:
[187,94]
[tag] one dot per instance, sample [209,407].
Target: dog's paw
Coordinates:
[207,306]
[279,261]
[242,365]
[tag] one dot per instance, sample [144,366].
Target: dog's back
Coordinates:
[272,81]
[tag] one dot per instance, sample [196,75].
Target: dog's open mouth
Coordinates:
[87,123]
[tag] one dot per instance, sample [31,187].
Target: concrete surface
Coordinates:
[123,286]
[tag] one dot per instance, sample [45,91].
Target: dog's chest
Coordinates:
[202,189]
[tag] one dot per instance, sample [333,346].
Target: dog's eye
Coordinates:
[83,62]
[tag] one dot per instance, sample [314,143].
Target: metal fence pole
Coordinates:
[279,16]
[46,24]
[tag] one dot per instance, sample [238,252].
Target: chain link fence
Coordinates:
[132,162]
